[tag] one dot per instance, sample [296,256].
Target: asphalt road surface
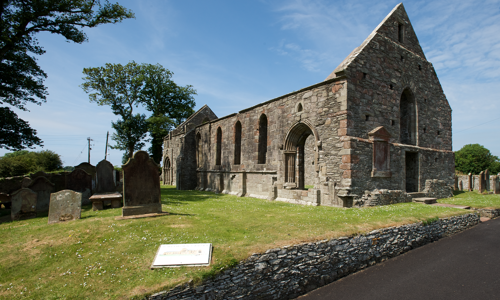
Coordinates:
[463,266]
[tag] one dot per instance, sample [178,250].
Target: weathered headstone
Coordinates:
[25,182]
[469,177]
[80,181]
[89,169]
[43,187]
[105,177]
[141,186]
[65,205]
[59,181]
[23,204]
[494,184]
[481,182]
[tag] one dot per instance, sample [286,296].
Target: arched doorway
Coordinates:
[167,177]
[295,153]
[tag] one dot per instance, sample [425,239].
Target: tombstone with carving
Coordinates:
[43,187]
[23,204]
[141,186]
[106,193]
[65,205]
[80,181]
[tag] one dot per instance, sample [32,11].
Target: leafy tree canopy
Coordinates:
[126,87]
[21,79]
[474,158]
[24,162]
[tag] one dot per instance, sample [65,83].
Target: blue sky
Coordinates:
[240,53]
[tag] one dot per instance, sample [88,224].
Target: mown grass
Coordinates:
[473,199]
[99,257]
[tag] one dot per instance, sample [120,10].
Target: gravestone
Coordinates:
[80,181]
[89,169]
[59,181]
[481,182]
[23,204]
[141,186]
[25,182]
[65,205]
[43,187]
[38,174]
[105,177]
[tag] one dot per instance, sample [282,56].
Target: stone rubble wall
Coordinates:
[488,213]
[286,273]
[438,189]
[382,197]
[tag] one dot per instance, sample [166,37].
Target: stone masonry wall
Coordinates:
[288,272]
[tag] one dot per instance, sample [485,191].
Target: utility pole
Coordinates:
[106,152]
[89,139]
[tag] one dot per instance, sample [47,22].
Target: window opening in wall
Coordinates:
[167,179]
[262,147]
[218,152]
[299,107]
[438,132]
[435,159]
[299,150]
[402,58]
[364,75]
[424,129]
[237,143]
[390,86]
[407,121]
[425,99]
[401,30]
[392,122]
[419,67]
[367,117]
[199,151]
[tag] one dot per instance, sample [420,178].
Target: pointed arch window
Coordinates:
[218,152]
[237,143]
[262,139]
[199,151]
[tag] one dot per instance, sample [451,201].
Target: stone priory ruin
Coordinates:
[379,124]
[141,186]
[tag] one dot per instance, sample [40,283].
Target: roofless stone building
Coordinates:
[377,129]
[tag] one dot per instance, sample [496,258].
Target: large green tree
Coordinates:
[151,86]
[168,103]
[119,87]
[21,79]
[474,158]
[23,162]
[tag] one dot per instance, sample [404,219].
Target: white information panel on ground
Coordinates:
[183,255]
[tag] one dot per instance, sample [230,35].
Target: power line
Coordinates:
[476,125]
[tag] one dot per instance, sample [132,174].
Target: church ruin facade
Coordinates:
[376,130]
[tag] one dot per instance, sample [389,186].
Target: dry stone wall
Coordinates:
[288,272]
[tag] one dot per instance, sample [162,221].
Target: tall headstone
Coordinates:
[494,184]
[469,177]
[43,187]
[141,186]
[89,169]
[80,181]
[105,177]
[23,204]
[481,182]
[65,205]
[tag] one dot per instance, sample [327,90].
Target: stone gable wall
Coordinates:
[288,272]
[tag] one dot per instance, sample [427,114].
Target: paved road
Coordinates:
[463,266]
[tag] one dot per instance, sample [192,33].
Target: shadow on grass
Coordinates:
[172,196]
[456,193]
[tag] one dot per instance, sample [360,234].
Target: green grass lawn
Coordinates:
[473,199]
[99,257]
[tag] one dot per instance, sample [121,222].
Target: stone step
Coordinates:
[417,195]
[425,200]
[452,205]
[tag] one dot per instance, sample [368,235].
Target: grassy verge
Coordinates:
[473,199]
[99,257]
